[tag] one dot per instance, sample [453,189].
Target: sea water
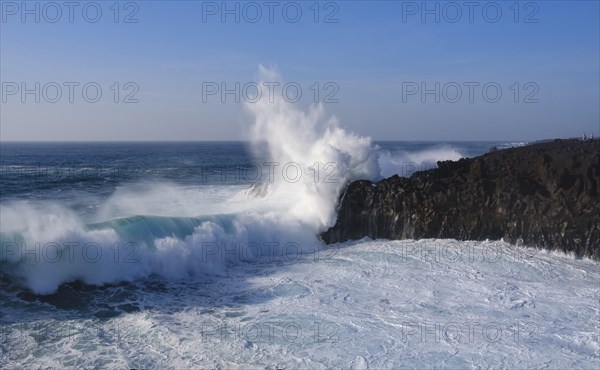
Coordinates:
[207,255]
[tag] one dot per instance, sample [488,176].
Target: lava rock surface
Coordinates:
[545,194]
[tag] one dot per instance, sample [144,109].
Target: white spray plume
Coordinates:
[313,142]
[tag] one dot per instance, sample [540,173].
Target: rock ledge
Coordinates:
[547,194]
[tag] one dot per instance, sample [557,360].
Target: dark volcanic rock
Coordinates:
[547,194]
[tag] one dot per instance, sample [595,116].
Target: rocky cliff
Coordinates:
[547,194]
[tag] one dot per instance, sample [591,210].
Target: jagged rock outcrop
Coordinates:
[547,194]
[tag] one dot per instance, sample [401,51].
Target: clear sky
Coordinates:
[369,60]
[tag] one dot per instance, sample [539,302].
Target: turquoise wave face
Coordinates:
[142,230]
[146,229]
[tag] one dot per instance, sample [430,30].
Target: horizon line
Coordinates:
[249,141]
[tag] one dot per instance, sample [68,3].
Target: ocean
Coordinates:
[161,255]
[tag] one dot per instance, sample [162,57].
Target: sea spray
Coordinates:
[405,163]
[154,228]
[328,156]
[47,244]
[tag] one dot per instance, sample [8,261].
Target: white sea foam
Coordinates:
[365,304]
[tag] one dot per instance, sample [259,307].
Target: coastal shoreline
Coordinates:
[545,194]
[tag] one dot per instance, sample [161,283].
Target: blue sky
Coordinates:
[548,52]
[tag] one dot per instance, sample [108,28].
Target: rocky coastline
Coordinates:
[545,194]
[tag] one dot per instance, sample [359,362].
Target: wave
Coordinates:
[405,163]
[514,144]
[174,232]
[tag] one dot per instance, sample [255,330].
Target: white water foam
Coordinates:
[365,304]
